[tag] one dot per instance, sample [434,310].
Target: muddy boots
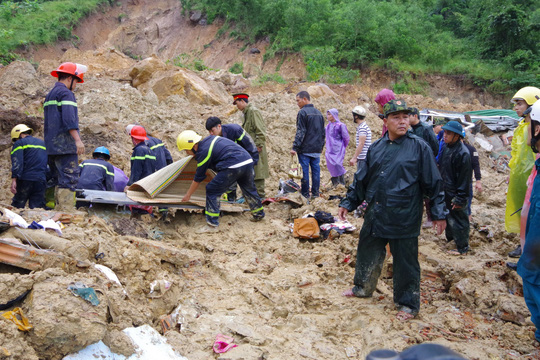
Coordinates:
[65,200]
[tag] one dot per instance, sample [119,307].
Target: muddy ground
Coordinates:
[279,297]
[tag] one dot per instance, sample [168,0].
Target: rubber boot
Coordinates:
[65,200]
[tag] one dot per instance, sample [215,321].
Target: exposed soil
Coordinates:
[279,297]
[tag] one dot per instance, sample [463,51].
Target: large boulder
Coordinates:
[64,323]
[321,90]
[166,80]
[19,83]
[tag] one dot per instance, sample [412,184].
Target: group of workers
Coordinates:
[413,165]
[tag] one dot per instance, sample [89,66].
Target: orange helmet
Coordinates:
[138,133]
[70,68]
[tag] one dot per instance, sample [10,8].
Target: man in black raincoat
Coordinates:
[400,170]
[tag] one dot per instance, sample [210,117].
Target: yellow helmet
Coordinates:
[18,129]
[529,93]
[187,139]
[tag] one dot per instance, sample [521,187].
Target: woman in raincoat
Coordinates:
[337,139]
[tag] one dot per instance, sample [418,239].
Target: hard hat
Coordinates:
[70,68]
[102,150]
[138,132]
[529,94]
[535,111]
[359,110]
[17,130]
[187,139]
[454,127]
[129,127]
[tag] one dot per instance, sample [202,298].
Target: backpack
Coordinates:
[306,228]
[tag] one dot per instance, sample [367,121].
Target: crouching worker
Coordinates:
[28,168]
[143,160]
[399,171]
[97,173]
[231,163]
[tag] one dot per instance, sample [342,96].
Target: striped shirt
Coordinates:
[363,129]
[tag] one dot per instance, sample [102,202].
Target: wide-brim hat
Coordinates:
[454,127]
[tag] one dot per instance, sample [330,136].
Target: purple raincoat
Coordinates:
[337,139]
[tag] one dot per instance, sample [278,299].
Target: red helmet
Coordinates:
[70,68]
[138,133]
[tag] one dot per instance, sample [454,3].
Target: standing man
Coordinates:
[423,131]
[62,132]
[308,143]
[456,172]
[28,168]
[399,171]
[232,164]
[520,164]
[256,128]
[363,137]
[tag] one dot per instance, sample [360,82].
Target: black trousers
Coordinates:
[31,191]
[457,226]
[369,262]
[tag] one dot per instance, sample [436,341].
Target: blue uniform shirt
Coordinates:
[237,134]
[29,159]
[143,162]
[61,116]
[163,156]
[96,174]
[529,262]
[218,153]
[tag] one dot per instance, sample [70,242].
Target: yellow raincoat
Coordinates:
[520,168]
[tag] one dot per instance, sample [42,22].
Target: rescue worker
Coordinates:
[423,130]
[399,171]
[163,155]
[231,163]
[308,143]
[235,133]
[97,173]
[456,171]
[521,162]
[62,138]
[28,168]
[256,128]
[529,264]
[143,160]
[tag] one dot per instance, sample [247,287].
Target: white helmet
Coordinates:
[535,111]
[129,127]
[359,110]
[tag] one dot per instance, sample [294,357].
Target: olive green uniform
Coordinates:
[256,128]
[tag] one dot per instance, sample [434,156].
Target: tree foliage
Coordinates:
[486,39]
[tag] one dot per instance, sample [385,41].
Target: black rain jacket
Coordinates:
[310,134]
[456,172]
[396,177]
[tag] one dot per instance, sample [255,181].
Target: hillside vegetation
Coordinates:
[26,22]
[493,42]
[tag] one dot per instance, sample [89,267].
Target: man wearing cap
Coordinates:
[97,173]
[256,128]
[61,129]
[456,172]
[143,160]
[423,130]
[399,171]
[163,155]
[308,143]
[28,168]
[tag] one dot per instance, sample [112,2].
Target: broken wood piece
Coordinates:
[180,257]
[30,258]
[43,239]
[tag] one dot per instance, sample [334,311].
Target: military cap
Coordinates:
[239,96]
[394,106]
